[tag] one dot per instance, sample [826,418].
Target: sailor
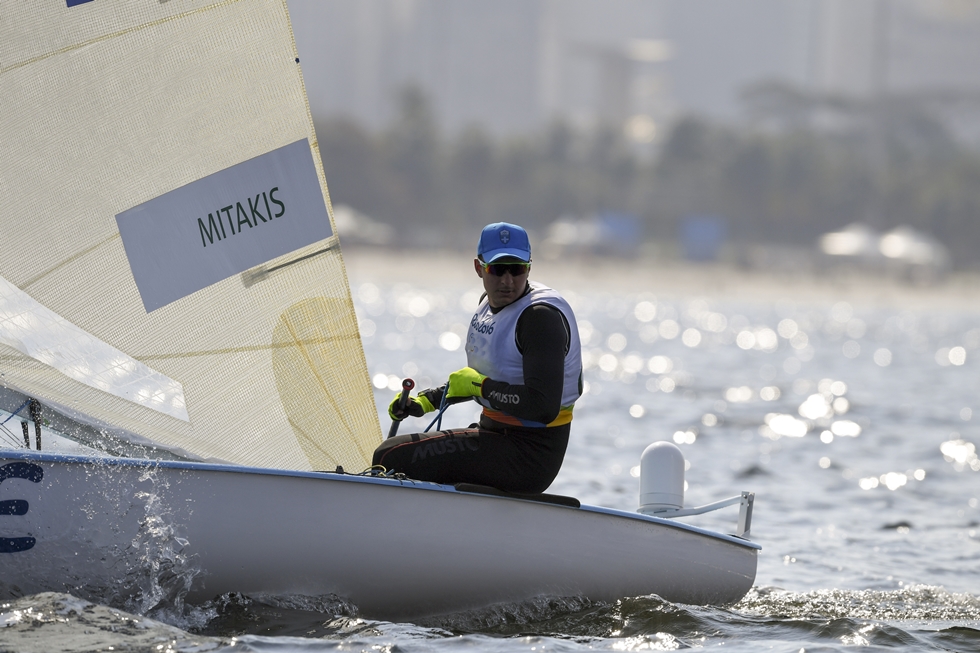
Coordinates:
[524,366]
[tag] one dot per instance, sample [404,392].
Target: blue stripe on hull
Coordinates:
[16,544]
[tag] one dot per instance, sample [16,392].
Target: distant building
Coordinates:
[903,251]
[510,66]
[514,65]
[604,234]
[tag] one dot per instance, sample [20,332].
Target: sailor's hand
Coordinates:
[465,383]
[415,407]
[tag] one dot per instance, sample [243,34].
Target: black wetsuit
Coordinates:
[510,458]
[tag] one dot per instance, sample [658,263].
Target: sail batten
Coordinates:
[110,109]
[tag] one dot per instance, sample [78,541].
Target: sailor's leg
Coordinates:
[470,455]
[429,456]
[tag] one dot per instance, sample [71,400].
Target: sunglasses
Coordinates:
[500,269]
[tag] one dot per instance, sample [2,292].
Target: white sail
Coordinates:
[127,128]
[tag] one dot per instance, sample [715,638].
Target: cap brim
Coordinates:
[497,254]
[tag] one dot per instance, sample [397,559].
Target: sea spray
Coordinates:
[165,572]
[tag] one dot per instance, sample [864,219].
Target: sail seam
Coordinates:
[65,262]
[310,440]
[246,348]
[106,37]
[309,361]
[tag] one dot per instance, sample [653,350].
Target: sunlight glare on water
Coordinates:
[797,401]
[853,422]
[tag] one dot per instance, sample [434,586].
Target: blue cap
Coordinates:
[503,240]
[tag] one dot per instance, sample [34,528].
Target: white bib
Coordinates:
[491,342]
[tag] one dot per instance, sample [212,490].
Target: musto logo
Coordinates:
[504,398]
[441,445]
[29,472]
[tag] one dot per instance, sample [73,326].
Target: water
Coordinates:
[853,416]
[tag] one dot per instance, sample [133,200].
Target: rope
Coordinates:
[10,434]
[380,471]
[15,412]
[442,408]
[7,432]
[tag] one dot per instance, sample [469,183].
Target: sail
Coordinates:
[169,266]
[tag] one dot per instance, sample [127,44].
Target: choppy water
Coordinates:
[856,426]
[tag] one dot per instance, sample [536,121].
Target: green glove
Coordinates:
[466,382]
[416,407]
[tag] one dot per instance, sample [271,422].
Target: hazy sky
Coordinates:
[716,47]
[515,64]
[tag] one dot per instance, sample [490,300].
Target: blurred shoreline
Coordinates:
[676,279]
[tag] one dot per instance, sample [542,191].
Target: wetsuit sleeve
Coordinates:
[543,340]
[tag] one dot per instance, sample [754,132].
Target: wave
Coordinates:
[915,603]
[912,618]
[51,621]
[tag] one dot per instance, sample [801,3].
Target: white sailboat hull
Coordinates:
[108,528]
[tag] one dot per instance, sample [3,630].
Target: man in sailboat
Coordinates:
[524,366]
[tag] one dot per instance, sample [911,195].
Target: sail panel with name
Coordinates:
[125,106]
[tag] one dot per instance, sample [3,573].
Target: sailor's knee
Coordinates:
[391,447]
